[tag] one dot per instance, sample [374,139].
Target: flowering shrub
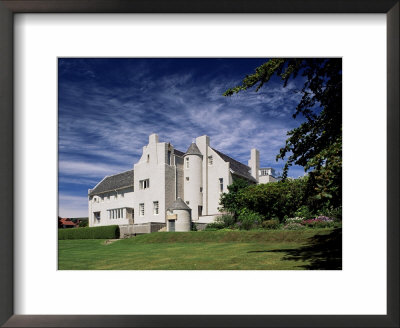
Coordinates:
[319,222]
[297,219]
[293,226]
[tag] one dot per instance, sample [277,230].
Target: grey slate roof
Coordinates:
[112,182]
[193,150]
[179,153]
[237,167]
[178,204]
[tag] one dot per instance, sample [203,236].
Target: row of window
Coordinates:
[106,197]
[210,161]
[117,213]
[221,184]
[156,208]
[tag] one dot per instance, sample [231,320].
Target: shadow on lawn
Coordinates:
[323,252]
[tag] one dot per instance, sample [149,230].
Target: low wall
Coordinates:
[200,226]
[141,228]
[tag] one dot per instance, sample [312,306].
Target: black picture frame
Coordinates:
[7,10]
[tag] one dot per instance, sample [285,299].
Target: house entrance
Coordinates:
[171,225]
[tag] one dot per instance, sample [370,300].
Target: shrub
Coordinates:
[334,213]
[297,219]
[228,220]
[105,232]
[320,222]
[214,226]
[83,224]
[293,226]
[271,224]
[249,219]
[193,227]
[304,212]
[275,199]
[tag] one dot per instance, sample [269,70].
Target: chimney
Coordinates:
[153,138]
[254,163]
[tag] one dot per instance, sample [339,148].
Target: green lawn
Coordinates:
[207,250]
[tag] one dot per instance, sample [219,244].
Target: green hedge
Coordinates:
[105,232]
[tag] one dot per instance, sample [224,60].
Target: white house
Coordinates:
[144,199]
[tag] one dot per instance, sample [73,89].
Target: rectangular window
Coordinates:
[155,208]
[169,157]
[201,189]
[187,162]
[187,178]
[141,209]
[210,160]
[200,210]
[97,216]
[187,202]
[221,184]
[144,184]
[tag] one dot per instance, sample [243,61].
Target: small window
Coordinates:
[148,158]
[187,178]
[210,160]
[141,209]
[155,208]
[221,184]
[144,184]
[97,216]
[187,162]
[187,202]
[201,189]
[169,157]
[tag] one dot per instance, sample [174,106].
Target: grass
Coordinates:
[207,250]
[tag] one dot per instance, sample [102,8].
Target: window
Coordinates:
[144,184]
[148,158]
[141,209]
[187,178]
[155,208]
[187,202]
[210,160]
[169,157]
[187,162]
[201,189]
[97,215]
[221,184]
[200,210]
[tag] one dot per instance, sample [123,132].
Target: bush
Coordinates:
[105,232]
[227,220]
[304,212]
[319,222]
[214,226]
[248,219]
[193,227]
[83,224]
[297,219]
[271,224]
[334,213]
[275,199]
[293,226]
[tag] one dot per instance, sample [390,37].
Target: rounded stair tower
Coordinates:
[193,180]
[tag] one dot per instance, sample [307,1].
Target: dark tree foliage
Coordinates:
[317,143]
[229,201]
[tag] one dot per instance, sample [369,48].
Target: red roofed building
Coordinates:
[66,223]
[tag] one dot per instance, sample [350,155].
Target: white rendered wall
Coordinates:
[192,187]
[203,143]
[155,169]
[219,169]
[116,201]
[183,222]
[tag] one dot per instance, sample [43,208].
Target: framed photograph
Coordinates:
[96,81]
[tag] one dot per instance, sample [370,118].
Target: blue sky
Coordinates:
[108,108]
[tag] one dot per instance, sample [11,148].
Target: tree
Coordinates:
[229,201]
[317,143]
